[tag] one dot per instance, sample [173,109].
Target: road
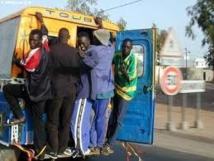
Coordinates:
[155,154]
[152,153]
[209,86]
[168,146]
[176,146]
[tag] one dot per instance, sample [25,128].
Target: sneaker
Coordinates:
[76,153]
[68,151]
[106,150]
[93,151]
[60,155]
[87,152]
[52,155]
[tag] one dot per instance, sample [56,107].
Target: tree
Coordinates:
[88,7]
[82,6]
[122,24]
[202,14]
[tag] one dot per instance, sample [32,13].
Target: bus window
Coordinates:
[87,30]
[138,50]
[52,40]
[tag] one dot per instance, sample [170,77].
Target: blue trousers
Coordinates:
[120,107]
[80,125]
[100,122]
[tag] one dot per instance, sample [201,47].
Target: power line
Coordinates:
[123,5]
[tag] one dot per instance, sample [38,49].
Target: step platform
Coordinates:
[19,133]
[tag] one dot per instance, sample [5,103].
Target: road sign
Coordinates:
[192,86]
[171,61]
[170,81]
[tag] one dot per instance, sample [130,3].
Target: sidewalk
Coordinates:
[207,117]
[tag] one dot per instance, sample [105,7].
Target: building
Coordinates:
[200,63]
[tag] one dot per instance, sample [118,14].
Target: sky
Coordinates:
[163,13]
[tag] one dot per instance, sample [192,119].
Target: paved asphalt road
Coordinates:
[150,154]
[170,147]
[181,148]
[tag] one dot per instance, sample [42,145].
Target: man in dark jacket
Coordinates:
[64,66]
[82,111]
[36,90]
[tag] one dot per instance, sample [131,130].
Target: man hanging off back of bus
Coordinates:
[82,113]
[36,91]
[64,68]
[125,72]
[99,86]
[105,87]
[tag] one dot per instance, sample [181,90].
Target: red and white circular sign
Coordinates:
[170,80]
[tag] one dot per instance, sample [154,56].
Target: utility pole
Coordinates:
[186,54]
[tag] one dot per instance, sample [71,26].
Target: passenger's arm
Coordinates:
[131,72]
[90,59]
[44,31]
[99,22]
[32,61]
[125,72]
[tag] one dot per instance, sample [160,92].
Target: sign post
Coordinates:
[192,86]
[170,84]
[198,122]
[170,124]
[184,123]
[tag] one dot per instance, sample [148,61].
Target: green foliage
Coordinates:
[86,7]
[83,6]
[202,14]
[122,24]
[100,13]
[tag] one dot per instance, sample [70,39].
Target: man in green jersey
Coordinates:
[125,72]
